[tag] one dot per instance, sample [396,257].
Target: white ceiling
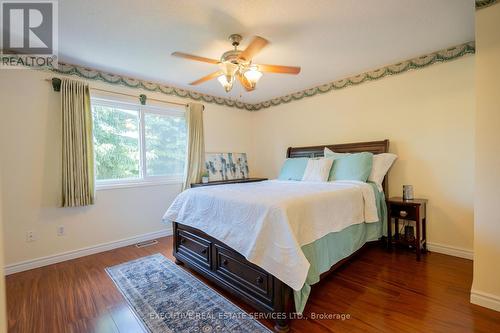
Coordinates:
[329,39]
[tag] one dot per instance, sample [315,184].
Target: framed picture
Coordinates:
[226,166]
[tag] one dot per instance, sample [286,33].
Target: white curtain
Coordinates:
[195,159]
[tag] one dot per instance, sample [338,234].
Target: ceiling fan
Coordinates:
[238,64]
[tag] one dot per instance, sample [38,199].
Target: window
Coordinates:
[137,144]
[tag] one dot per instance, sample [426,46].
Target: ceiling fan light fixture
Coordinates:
[238,64]
[253,75]
[228,68]
[225,82]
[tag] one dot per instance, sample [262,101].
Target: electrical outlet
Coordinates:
[31,236]
[61,231]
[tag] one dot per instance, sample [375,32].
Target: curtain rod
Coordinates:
[56,84]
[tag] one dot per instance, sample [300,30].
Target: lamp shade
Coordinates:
[227,84]
[253,75]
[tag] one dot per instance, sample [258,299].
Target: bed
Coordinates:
[267,268]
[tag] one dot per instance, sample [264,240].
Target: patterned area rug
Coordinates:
[168,299]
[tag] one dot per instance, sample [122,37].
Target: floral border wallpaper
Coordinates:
[480,4]
[92,74]
[401,67]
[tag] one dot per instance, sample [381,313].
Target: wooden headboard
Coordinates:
[375,147]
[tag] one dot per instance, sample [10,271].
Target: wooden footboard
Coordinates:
[231,271]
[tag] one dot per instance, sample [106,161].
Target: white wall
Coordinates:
[428,116]
[30,147]
[486,286]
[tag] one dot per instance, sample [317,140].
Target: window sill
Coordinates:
[138,183]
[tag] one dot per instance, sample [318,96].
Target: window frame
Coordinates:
[144,179]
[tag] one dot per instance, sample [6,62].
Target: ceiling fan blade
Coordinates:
[279,69]
[194,57]
[257,44]
[206,78]
[244,82]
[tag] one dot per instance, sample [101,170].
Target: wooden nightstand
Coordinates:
[232,181]
[410,210]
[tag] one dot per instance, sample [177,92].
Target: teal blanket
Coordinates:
[325,252]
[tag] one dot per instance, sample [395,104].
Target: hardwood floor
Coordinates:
[381,292]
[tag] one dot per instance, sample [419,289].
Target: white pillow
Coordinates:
[381,164]
[318,170]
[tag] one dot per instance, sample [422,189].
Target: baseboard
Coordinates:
[53,259]
[485,299]
[451,250]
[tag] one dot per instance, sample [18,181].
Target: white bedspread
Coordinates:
[268,222]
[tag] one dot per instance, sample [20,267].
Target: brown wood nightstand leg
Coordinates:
[424,232]
[417,240]
[396,229]
[389,231]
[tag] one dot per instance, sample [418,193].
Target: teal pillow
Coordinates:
[352,167]
[333,155]
[293,168]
